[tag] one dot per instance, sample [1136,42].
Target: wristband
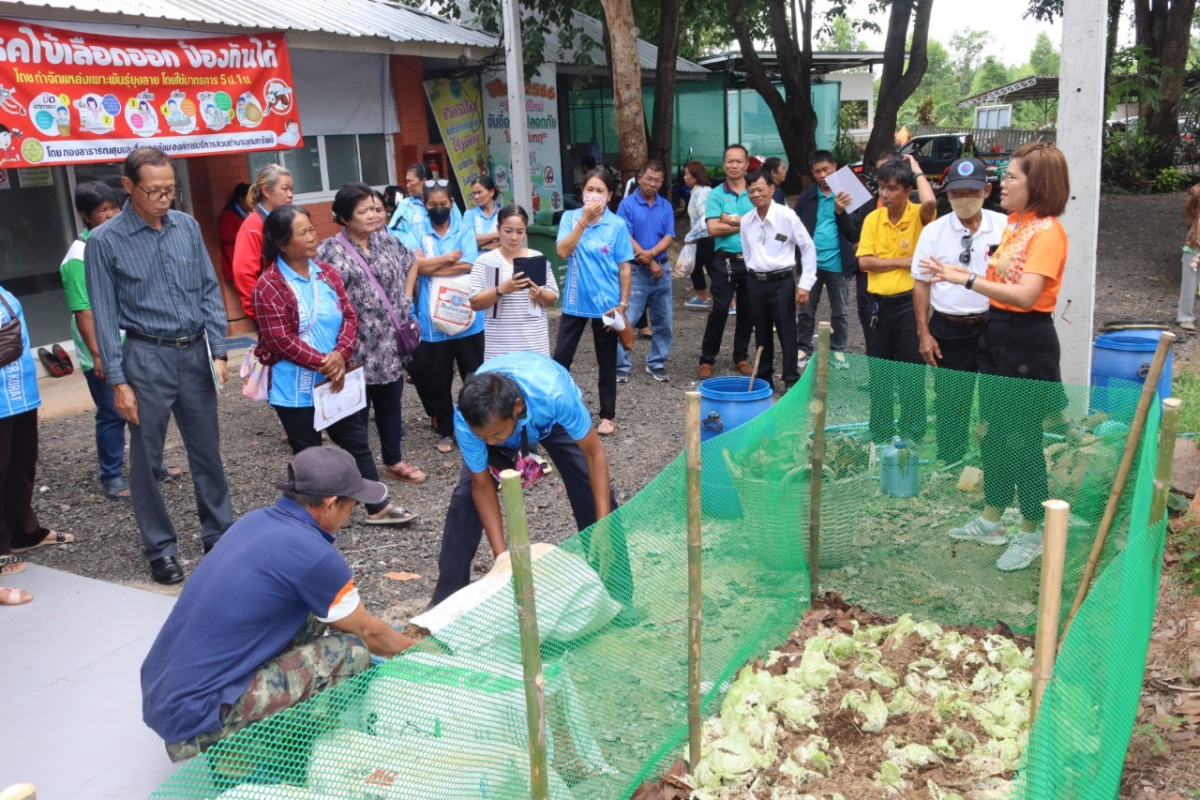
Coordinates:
[222,357]
[971,280]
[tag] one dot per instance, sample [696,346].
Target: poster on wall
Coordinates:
[68,97]
[456,107]
[541,113]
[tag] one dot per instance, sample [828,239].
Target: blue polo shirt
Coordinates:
[551,398]
[480,222]
[825,234]
[409,221]
[593,286]
[292,384]
[240,608]
[648,224]
[723,200]
[20,377]
[459,236]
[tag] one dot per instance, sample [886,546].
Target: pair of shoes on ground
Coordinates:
[837,360]
[705,371]
[56,360]
[1023,548]
[658,373]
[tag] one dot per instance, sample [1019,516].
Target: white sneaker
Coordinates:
[1023,551]
[981,531]
[801,362]
[839,361]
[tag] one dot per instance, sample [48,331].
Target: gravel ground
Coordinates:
[1138,278]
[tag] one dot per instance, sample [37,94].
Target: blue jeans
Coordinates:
[110,429]
[806,315]
[648,294]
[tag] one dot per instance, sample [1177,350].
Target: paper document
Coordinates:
[844,180]
[330,406]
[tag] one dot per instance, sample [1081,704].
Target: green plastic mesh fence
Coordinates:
[447,719]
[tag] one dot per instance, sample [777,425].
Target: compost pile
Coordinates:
[856,707]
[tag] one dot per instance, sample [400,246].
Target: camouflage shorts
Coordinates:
[311,663]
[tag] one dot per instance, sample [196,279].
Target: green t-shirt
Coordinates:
[722,201]
[75,285]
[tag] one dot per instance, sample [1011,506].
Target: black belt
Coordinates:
[181,343]
[731,256]
[1021,316]
[964,319]
[887,299]
[777,275]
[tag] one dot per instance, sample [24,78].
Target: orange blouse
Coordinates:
[1033,244]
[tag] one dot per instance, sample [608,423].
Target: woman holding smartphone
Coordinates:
[513,306]
[598,249]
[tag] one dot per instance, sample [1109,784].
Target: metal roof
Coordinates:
[824,62]
[354,18]
[1034,87]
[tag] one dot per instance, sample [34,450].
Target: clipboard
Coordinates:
[534,268]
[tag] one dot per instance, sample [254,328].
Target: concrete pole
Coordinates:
[518,124]
[1080,135]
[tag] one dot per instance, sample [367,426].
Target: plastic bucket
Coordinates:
[1120,361]
[724,405]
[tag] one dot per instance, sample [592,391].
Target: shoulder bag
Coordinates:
[407,330]
[11,345]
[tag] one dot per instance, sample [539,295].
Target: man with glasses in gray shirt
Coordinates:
[149,274]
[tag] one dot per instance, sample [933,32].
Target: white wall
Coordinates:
[857,86]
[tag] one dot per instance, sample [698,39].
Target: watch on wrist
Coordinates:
[971,280]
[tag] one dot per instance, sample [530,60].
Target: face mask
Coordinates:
[439,216]
[967,207]
[595,198]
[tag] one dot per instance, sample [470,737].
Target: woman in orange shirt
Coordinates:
[1019,341]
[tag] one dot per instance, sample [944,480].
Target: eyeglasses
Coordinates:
[441,183]
[1008,177]
[964,257]
[159,194]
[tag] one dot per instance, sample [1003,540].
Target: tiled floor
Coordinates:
[70,697]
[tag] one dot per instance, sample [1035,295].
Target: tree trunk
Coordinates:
[794,118]
[896,84]
[627,85]
[663,126]
[1164,29]
[1110,47]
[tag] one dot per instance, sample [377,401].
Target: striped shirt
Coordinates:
[155,282]
[516,322]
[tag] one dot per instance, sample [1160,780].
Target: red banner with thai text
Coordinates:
[68,97]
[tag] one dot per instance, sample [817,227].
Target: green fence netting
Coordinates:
[448,721]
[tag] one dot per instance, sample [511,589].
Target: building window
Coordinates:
[327,163]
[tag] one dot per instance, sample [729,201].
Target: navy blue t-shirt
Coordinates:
[240,608]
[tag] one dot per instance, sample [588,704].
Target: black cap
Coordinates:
[328,471]
[966,173]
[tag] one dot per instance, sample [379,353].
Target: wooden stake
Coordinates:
[531,653]
[695,575]
[1054,538]
[1114,498]
[754,372]
[1168,429]
[1158,502]
[817,406]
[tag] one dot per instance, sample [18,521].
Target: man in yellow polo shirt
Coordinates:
[889,237]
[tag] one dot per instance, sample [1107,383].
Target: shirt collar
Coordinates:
[314,269]
[729,190]
[641,199]
[290,508]
[985,223]
[136,224]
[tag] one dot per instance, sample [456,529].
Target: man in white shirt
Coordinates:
[950,337]
[770,235]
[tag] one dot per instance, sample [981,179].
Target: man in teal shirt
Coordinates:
[727,204]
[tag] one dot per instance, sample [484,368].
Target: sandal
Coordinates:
[116,489]
[392,515]
[52,538]
[445,445]
[14,597]
[606,427]
[16,563]
[169,474]
[405,472]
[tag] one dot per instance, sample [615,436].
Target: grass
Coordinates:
[1186,386]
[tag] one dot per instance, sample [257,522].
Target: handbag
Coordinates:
[11,343]
[407,330]
[256,378]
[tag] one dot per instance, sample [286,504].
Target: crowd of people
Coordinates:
[427,290]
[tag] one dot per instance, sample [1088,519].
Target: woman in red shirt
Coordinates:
[229,223]
[1019,341]
[272,188]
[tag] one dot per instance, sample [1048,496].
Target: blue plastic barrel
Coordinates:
[1120,360]
[725,404]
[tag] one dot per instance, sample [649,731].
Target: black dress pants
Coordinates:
[570,330]
[727,277]
[772,307]
[432,373]
[464,528]
[349,433]
[19,526]
[891,343]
